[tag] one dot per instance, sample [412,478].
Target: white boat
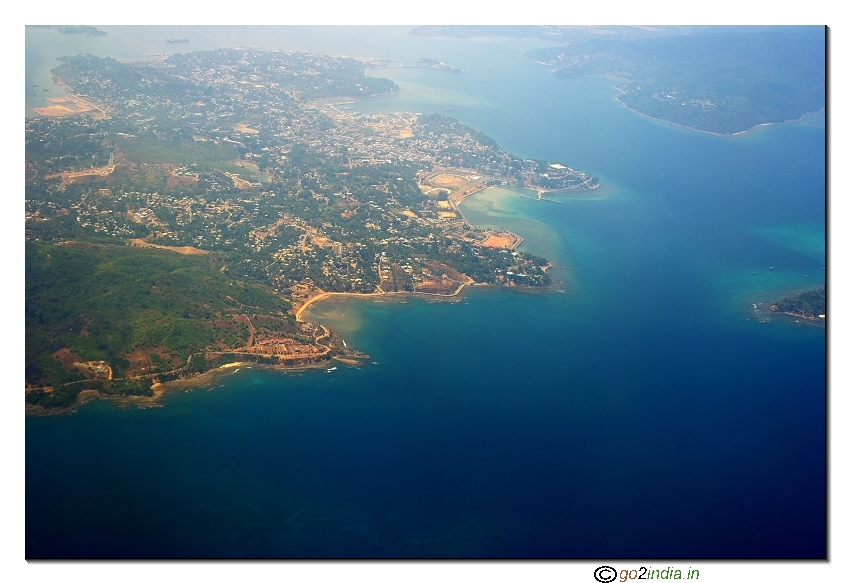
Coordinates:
[331,369]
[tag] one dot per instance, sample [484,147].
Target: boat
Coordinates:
[771,269]
[177,40]
[331,369]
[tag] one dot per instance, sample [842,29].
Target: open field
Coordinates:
[70,176]
[446,287]
[244,129]
[501,241]
[177,182]
[450,181]
[246,164]
[181,250]
[68,105]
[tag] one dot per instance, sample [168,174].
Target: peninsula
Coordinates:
[181,215]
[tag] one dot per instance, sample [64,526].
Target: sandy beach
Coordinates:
[402,294]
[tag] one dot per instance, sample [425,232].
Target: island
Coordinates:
[182,214]
[85,30]
[810,305]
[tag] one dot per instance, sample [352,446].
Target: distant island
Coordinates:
[85,30]
[722,79]
[471,31]
[182,214]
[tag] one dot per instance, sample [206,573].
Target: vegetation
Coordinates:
[808,304]
[717,79]
[722,79]
[82,29]
[58,398]
[103,302]
[133,387]
[277,198]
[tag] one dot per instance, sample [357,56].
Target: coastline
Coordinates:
[615,77]
[739,133]
[160,390]
[203,380]
[327,352]
[403,294]
[767,317]
[350,357]
[485,422]
[380,294]
[723,135]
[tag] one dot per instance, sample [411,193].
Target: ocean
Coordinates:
[639,410]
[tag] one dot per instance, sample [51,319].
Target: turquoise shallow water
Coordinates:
[639,411]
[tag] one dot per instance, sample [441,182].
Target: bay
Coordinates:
[641,410]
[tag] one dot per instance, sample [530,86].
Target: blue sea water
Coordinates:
[642,411]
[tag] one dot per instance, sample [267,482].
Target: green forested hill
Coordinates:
[105,301]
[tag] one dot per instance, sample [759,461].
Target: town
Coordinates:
[260,158]
[295,189]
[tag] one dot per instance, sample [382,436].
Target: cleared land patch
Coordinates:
[450,181]
[244,129]
[501,241]
[239,182]
[65,106]
[71,176]
[186,250]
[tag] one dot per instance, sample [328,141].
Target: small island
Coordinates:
[810,305]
